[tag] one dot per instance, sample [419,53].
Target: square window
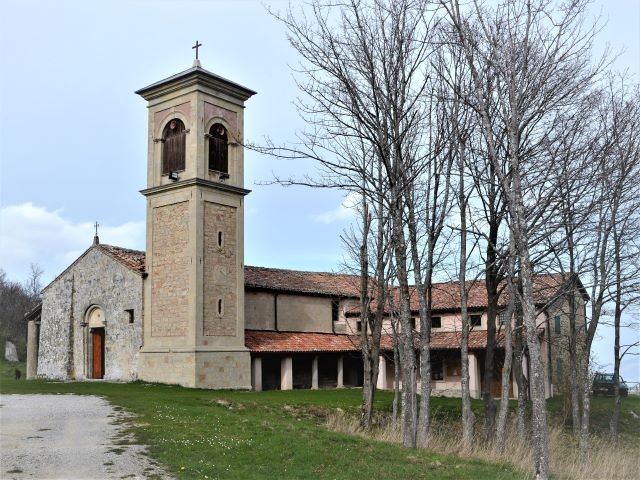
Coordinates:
[476,320]
[436,322]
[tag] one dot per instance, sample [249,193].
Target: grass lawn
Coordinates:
[601,409]
[248,435]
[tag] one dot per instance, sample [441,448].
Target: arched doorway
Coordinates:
[95,319]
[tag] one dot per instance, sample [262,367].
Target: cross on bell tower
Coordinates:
[196,62]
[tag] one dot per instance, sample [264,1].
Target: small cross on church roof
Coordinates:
[96,239]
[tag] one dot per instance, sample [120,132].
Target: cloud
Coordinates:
[345,211]
[33,234]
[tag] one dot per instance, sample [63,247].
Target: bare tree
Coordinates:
[622,109]
[363,79]
[529,61]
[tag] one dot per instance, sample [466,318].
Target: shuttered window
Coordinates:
[173,147]
[218,148]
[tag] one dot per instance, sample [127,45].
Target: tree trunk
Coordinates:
[491,283]
[467,414]
[617,316]
[407,346]
[501,424]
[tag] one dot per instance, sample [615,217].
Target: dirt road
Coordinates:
[70,437]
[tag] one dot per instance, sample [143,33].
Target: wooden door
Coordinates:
[98,352]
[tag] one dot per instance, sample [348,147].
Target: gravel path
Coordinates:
[68,436]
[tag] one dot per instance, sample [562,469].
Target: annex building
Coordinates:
[188,311]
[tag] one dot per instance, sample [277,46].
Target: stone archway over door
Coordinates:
[97,341]
[96,350]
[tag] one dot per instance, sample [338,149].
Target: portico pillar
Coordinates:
[314,373]
[256,371]
[340,371]
[382,374]
[286,373]
[32,349]
[474,376]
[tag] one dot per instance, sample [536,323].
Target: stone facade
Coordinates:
[170,271]
[95,279]
[220,272]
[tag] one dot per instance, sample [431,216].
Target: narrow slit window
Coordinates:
[220,307]
[130,315]
[220,239]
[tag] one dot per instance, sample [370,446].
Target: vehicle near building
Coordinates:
[603,384]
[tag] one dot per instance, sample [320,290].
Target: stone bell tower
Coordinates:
[194,291]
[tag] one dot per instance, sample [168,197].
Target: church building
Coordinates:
[188,311]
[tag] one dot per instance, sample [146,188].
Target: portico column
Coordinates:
[314,373]
[382,374]
[286,373]
[257,374]
[32,349]
[474,376]
[340,371]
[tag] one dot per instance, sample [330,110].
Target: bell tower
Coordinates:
[194,291]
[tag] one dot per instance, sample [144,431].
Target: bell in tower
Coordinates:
[193,331]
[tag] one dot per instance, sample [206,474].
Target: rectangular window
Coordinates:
[556,323]
[437,372]
[334,309]
[503,318]
[130,315]
[412,322]
[476,320]
[359,325]
[436,322]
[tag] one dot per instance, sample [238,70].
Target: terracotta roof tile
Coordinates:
[267,341]
[134,259]
[319,283]
[271,341]
[446,296]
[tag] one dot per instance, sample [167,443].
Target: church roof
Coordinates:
[134,259]
[318,283]
[268,341]
[446,295]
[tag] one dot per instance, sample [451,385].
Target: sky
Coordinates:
[73,134]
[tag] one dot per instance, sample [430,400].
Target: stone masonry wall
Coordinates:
[170,271]
[53,356]
[95,280]
[220,275]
